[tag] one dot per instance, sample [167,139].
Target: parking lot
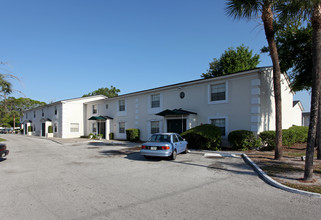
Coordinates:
[42,179]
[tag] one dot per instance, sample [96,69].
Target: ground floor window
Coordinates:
[154,127]
[122,127]
[55,128]
[221,123]
[74,127]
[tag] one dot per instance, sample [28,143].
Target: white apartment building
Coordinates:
[243,100]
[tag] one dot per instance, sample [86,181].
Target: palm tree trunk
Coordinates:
[316,87]
[318,135]
[267,18]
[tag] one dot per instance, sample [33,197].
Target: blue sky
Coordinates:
[66,48]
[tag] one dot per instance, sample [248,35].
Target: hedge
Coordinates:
[111,136]
[243,140]
[203,137]
[29,128]
[132,134]
[295,134]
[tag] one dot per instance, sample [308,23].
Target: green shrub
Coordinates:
[50,130]
[132,134]
[29,128]
[111,136]
[301,133]
[268,140]
[288,137]
[203,137]
[243,140]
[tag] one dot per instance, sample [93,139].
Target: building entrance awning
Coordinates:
[175,112]
[99,118]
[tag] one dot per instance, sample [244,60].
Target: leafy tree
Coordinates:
[233,61]
[109,92]
[294,43]
[15,108]
[311,10]
[249,9]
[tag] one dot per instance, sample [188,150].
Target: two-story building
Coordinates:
[243,100]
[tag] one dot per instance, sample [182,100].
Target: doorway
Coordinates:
[176,125]
[43,129]
[102,128]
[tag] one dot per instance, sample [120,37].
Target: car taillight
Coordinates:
[165,147]
[143,147]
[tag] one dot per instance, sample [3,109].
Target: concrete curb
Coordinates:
[274,183]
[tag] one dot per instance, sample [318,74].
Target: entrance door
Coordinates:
[102,128]
[43,129]
[176,125]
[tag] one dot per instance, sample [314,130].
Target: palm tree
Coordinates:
[310,9]
[252,8]
[5,87]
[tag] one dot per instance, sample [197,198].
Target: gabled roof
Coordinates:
[298,102]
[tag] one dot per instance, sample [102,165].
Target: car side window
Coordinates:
[179,138]
[175,138]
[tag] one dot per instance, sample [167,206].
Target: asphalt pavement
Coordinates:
[43,179]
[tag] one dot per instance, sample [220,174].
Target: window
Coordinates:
[94,127]
[220,122]
[42,114]
[74,127]
[121,127]
[106,106]
[154,127]
[155,101]
[56,128]
[34,114]
[55,110]
[218,92]
[121,105]
[94,109]
[175,139]
[34,128]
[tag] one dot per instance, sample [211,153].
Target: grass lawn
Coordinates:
[290,170]
[1,139]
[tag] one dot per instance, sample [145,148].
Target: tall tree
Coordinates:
[252,8]
[310,9]
[109,92]
[232,61]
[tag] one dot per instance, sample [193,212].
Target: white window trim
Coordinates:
[151,110]
[122,113]
[226,93]
[226,123]
[119,128]
[149,126]
[74,131]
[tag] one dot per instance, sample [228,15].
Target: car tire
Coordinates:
[147,157]
[3,156]
[173,156]
[186,150]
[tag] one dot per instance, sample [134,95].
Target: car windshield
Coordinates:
[160,138]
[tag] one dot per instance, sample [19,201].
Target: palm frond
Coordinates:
[243,8]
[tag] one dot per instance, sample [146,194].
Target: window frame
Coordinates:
[219,118]
[153,102]
[122,105]
[74,131]
[121,130]
[94,109]
[210,101]
[157,128]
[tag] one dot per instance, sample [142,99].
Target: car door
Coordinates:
[176,143]
[182,143]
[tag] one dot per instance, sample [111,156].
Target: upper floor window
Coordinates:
[34,114]
[94,109]
[155,101]
[218,92]
[121,105]
[55,110]
[42,113]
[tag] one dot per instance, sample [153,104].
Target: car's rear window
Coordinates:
[160,138]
